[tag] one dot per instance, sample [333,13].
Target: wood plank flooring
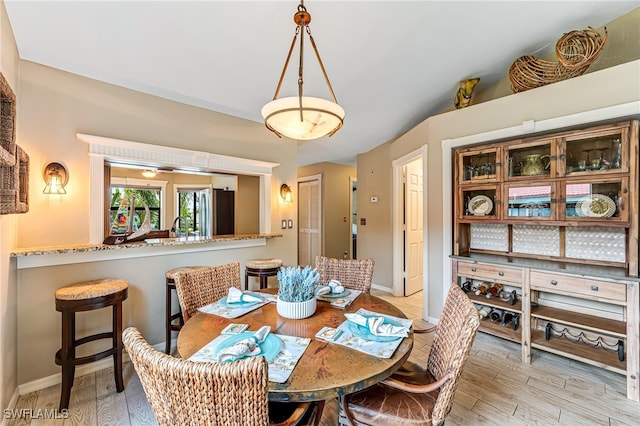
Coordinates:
[496,389]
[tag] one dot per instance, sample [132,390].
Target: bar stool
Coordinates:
[89,296]
[262,268]
[170,318]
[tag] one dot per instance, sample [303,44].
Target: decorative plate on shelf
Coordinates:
[480,205]
[596,205]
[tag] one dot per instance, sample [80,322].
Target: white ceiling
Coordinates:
[392,64]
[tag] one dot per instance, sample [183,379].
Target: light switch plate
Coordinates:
[283,225]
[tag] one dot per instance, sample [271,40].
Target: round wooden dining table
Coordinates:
[325,370]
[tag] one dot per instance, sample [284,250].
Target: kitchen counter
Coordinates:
[79,253]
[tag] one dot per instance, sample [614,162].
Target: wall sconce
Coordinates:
[56,177]
[285,193]
[149,173]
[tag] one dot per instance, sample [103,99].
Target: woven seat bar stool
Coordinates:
[174,320]
[261,268]
[89,296]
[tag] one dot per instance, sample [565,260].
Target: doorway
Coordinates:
[309,219]
[353,214]
[409,217]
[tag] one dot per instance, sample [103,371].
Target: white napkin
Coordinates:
[246,347]
[377,326]
[236,296]
[334,287]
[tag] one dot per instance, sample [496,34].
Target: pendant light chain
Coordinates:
[303,117]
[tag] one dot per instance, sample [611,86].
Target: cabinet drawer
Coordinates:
[578,286]
[491,272]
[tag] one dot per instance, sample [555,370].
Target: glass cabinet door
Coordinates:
[602,200]
[531,159]
[478,202]
[530,201]
[598,152]
[479,165]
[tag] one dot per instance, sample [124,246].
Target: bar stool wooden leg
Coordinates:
[67,354]
[167,344]
[117,343]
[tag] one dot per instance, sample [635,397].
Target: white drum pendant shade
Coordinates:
[319,117]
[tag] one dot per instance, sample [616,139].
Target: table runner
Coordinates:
[280,367]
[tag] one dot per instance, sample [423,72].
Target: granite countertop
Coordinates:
[152,242]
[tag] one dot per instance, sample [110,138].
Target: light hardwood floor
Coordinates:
[496,389]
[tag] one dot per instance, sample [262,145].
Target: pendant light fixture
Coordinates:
[303,117]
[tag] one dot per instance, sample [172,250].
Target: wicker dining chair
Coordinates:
[352,273]
[199,287]
[415,395]
[182,392]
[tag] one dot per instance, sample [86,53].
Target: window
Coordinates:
[194,204]
[127,204]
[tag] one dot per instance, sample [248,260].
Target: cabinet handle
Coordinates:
[594,287]
[501,273]
[554,282]
[473,269]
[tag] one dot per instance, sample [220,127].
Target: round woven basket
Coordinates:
[575,50]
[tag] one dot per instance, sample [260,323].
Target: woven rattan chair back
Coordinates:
[352,273]
[199,287]
[452,342]
[188,393]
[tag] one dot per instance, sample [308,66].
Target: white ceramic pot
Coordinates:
[296,310]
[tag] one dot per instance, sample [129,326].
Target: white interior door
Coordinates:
[413,228]
[309,221]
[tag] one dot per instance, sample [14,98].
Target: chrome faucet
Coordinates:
[175,227]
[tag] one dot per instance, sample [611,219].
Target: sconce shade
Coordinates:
[303,117]
[55,177]
[285,193]
[148,173]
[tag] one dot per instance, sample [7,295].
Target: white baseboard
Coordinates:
[81,370]
[382,288]
[432,320]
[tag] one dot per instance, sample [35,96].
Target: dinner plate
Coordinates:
[364,333]
[224,302]
[480,205]
[269,348]
[596,205]
[334,295]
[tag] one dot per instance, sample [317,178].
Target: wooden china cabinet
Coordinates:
[549,224]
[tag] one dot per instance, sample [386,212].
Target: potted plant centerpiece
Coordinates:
[296,293]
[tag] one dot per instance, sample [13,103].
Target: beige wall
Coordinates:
[53,106]
[336,189]
[8,294]
[64,104]
[248,205]
[608,86]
